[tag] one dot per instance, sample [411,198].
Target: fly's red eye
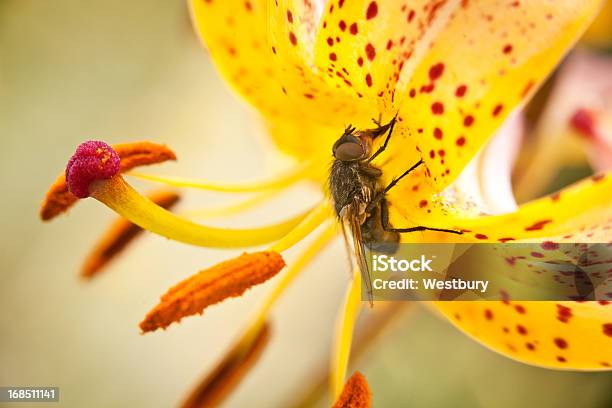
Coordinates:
[349,151]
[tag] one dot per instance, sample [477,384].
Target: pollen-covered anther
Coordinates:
[58,199]
[210,286]
[228,373]
[356,393]
[119,235]
[93,160]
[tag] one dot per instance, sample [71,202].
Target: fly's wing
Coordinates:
[351,228]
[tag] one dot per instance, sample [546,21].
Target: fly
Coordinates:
[359,196]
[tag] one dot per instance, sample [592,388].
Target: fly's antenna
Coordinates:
[349,129]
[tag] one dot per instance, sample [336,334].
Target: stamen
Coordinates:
[124,200]
[314,219]
[118,236]
[356,393]
[234,366]
[58,199]
[344,334]
[231,209]
[210,286]
[292,176]
[229,372]
[297,265]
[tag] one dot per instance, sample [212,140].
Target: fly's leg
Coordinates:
[380,196]
[382,129]
[384,217]
[404,174]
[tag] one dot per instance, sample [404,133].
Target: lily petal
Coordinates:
[470,80]
[579,213]
[563,335]
[366,46]
[235,34]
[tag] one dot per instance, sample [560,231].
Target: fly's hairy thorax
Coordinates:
[347,182]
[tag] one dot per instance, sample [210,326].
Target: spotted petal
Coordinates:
[567,335]
[236,36]
[487,59]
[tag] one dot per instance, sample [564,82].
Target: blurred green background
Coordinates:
[122,71]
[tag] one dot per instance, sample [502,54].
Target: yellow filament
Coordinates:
[260,317]
[344,334]
[292,176]
[231,209]
[315,218]
[124,200]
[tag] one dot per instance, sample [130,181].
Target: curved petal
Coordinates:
[235,34]
[579,213]
[363,46]
[294,26]
[599,34]
[564,335]
[488,58]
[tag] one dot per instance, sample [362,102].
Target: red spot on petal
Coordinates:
[468,120]
[481,236]
[389,44]
[372,10]
[289,16]
[460,141]
[497,110]
[561,343]
[438,133]
[368,79]
[360,61]
[353,29]
[370,51]
[507,49]
[437,108]
[549,245]
[488,314]
[460,91]
[564,313]
[521,330]
[333,56]
[607,329]
[538,225]
[292,38]
[330,41]
[520,309]
[342,25]
[411,16]
[422,203]
[436,71]
[309,96]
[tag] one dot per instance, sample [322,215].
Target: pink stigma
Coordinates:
[92,160]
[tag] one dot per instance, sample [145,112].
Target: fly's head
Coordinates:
[351,146]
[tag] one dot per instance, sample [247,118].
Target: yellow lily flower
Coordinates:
[453,72]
